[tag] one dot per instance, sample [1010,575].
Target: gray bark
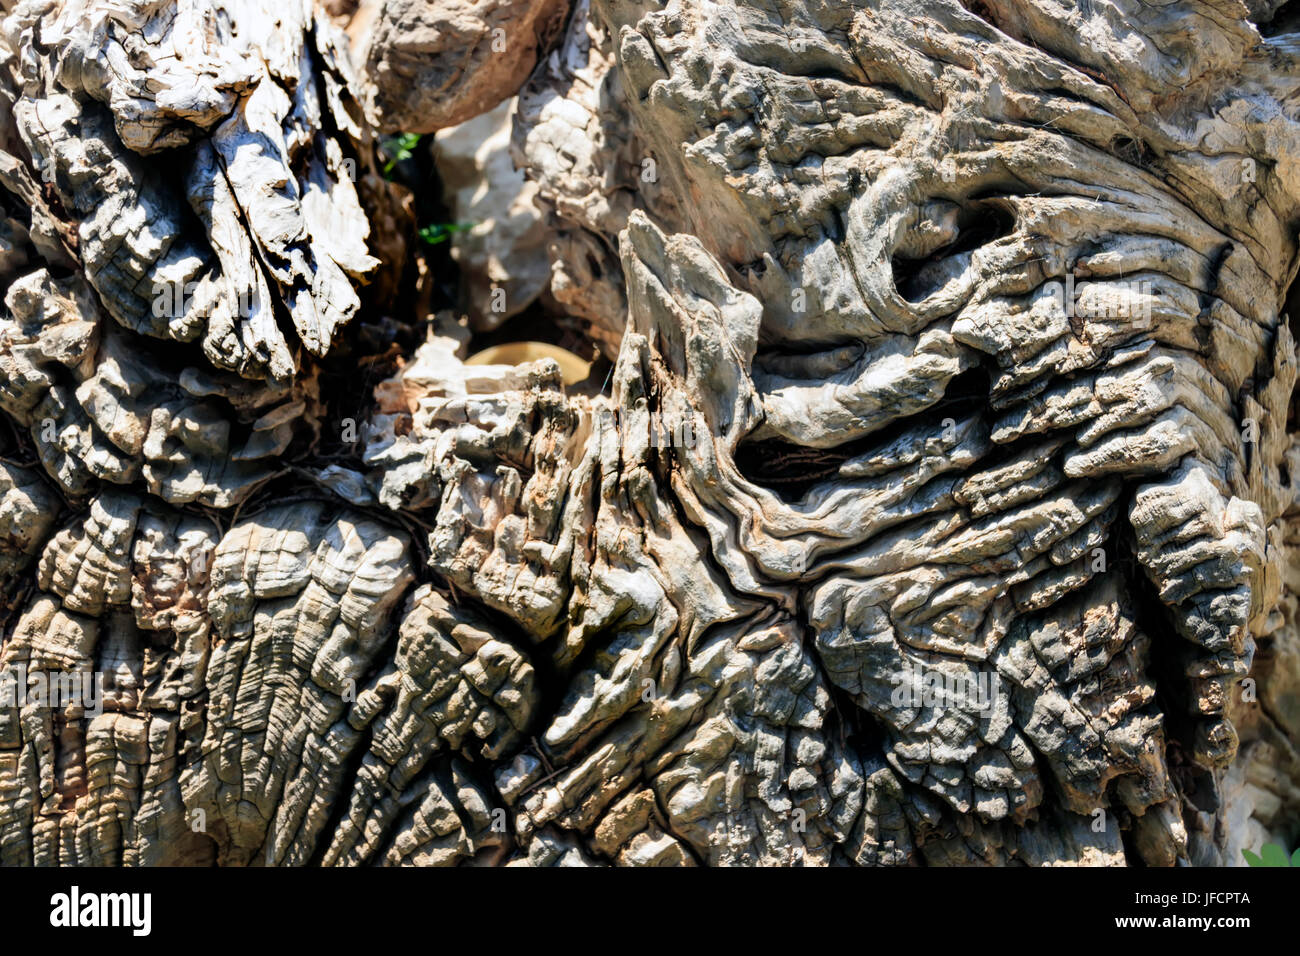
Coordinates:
[940,505]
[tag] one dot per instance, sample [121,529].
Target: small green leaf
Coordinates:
[399,148]
[1274,855]
[1295,857]
[437,232]
[1251,858]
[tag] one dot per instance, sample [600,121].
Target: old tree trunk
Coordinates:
[932,497]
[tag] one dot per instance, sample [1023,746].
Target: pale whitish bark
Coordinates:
[503,245]
[526,625]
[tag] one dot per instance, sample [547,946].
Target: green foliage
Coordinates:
[1270,854]
[437,232]
[398,148]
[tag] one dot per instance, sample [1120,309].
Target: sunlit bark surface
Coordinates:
[932,498]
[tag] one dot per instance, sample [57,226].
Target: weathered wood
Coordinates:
[940,505]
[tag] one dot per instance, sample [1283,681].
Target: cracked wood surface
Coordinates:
[940,505]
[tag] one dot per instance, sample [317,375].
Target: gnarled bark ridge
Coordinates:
[939,506]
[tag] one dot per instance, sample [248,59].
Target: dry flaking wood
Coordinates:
[941,504]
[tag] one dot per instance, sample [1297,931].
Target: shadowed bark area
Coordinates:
[932,499]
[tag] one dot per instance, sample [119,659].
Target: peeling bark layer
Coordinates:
[939,506]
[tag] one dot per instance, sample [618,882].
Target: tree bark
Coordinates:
[932,499]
